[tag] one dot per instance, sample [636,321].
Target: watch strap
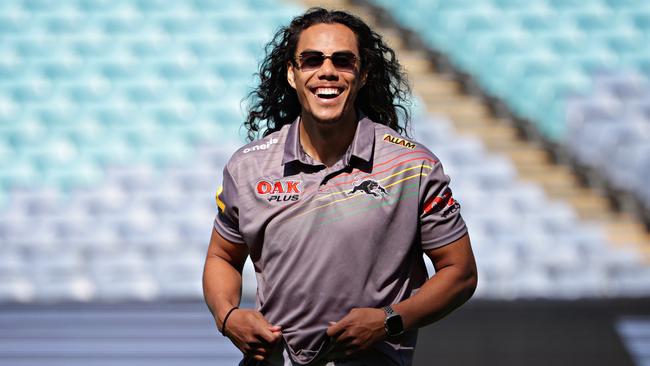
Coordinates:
[389,310]
[391,314]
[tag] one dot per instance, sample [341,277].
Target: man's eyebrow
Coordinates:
[337,51]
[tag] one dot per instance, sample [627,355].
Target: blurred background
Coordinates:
[117,117]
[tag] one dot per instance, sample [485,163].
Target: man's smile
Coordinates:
[327,95]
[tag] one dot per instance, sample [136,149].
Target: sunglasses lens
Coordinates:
[343,61]
[311,60]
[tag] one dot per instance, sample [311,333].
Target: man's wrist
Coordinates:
[220,314]
[225,319]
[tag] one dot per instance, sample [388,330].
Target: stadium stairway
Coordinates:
[445,92]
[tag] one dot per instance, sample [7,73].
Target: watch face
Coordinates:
[394,325]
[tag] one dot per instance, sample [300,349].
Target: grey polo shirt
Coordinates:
[324,240]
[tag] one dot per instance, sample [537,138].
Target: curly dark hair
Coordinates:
[384,96]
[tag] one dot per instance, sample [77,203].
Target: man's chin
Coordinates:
[329,119]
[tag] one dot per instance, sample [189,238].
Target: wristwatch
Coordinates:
[393,323]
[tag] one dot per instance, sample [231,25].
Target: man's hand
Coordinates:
[247,329]
[251,333]
[358,330]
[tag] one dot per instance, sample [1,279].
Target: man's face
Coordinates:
[326,91]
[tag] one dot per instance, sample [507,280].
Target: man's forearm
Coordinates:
[440,295]
[222,285]
[452,285]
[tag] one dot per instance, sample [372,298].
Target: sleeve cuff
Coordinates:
[226,231]
[441,241]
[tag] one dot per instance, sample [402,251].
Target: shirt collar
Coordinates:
[361,147]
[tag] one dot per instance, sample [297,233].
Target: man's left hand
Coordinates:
[358,330]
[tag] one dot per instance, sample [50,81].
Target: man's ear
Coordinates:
[290,75]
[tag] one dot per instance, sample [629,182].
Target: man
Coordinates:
[335,209]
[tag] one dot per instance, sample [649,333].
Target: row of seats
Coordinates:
[47,75]
[30,104]
[148,6]
[36,151]
[183,24]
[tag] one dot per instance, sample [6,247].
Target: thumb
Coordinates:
[333,329]
[275,328]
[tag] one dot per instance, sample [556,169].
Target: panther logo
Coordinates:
[370,187]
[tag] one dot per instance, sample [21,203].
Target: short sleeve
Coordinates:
[227,220]
[440,219]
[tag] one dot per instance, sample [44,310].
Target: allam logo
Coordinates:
[399,141]
[279,190]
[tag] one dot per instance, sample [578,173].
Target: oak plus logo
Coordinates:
[276,191]
[370,187]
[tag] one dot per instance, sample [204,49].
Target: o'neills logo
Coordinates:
[279,190]
[264,146]
[399,141]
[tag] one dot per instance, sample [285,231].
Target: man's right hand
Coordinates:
[252,333]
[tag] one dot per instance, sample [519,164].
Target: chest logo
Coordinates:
[263,146]
[399,141]
[276,191]
[369,187]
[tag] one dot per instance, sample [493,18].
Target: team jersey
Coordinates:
[324,240]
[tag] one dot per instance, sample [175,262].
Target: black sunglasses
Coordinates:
[313,60]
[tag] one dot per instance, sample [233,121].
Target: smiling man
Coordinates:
[335,209]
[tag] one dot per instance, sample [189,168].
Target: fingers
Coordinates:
[257,350]
[261,329]
[357,331]
[260,353]
[270,333]
[275,328]
[335,328]
[253,334]
[345,345]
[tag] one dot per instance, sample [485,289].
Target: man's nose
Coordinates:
[327,70]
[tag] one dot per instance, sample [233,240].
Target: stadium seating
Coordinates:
[609,130]
[527,246]
[533,54]
[117,117]
[558,64]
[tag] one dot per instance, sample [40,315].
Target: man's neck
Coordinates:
[326,143]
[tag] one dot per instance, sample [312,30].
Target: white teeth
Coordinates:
[327,91]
